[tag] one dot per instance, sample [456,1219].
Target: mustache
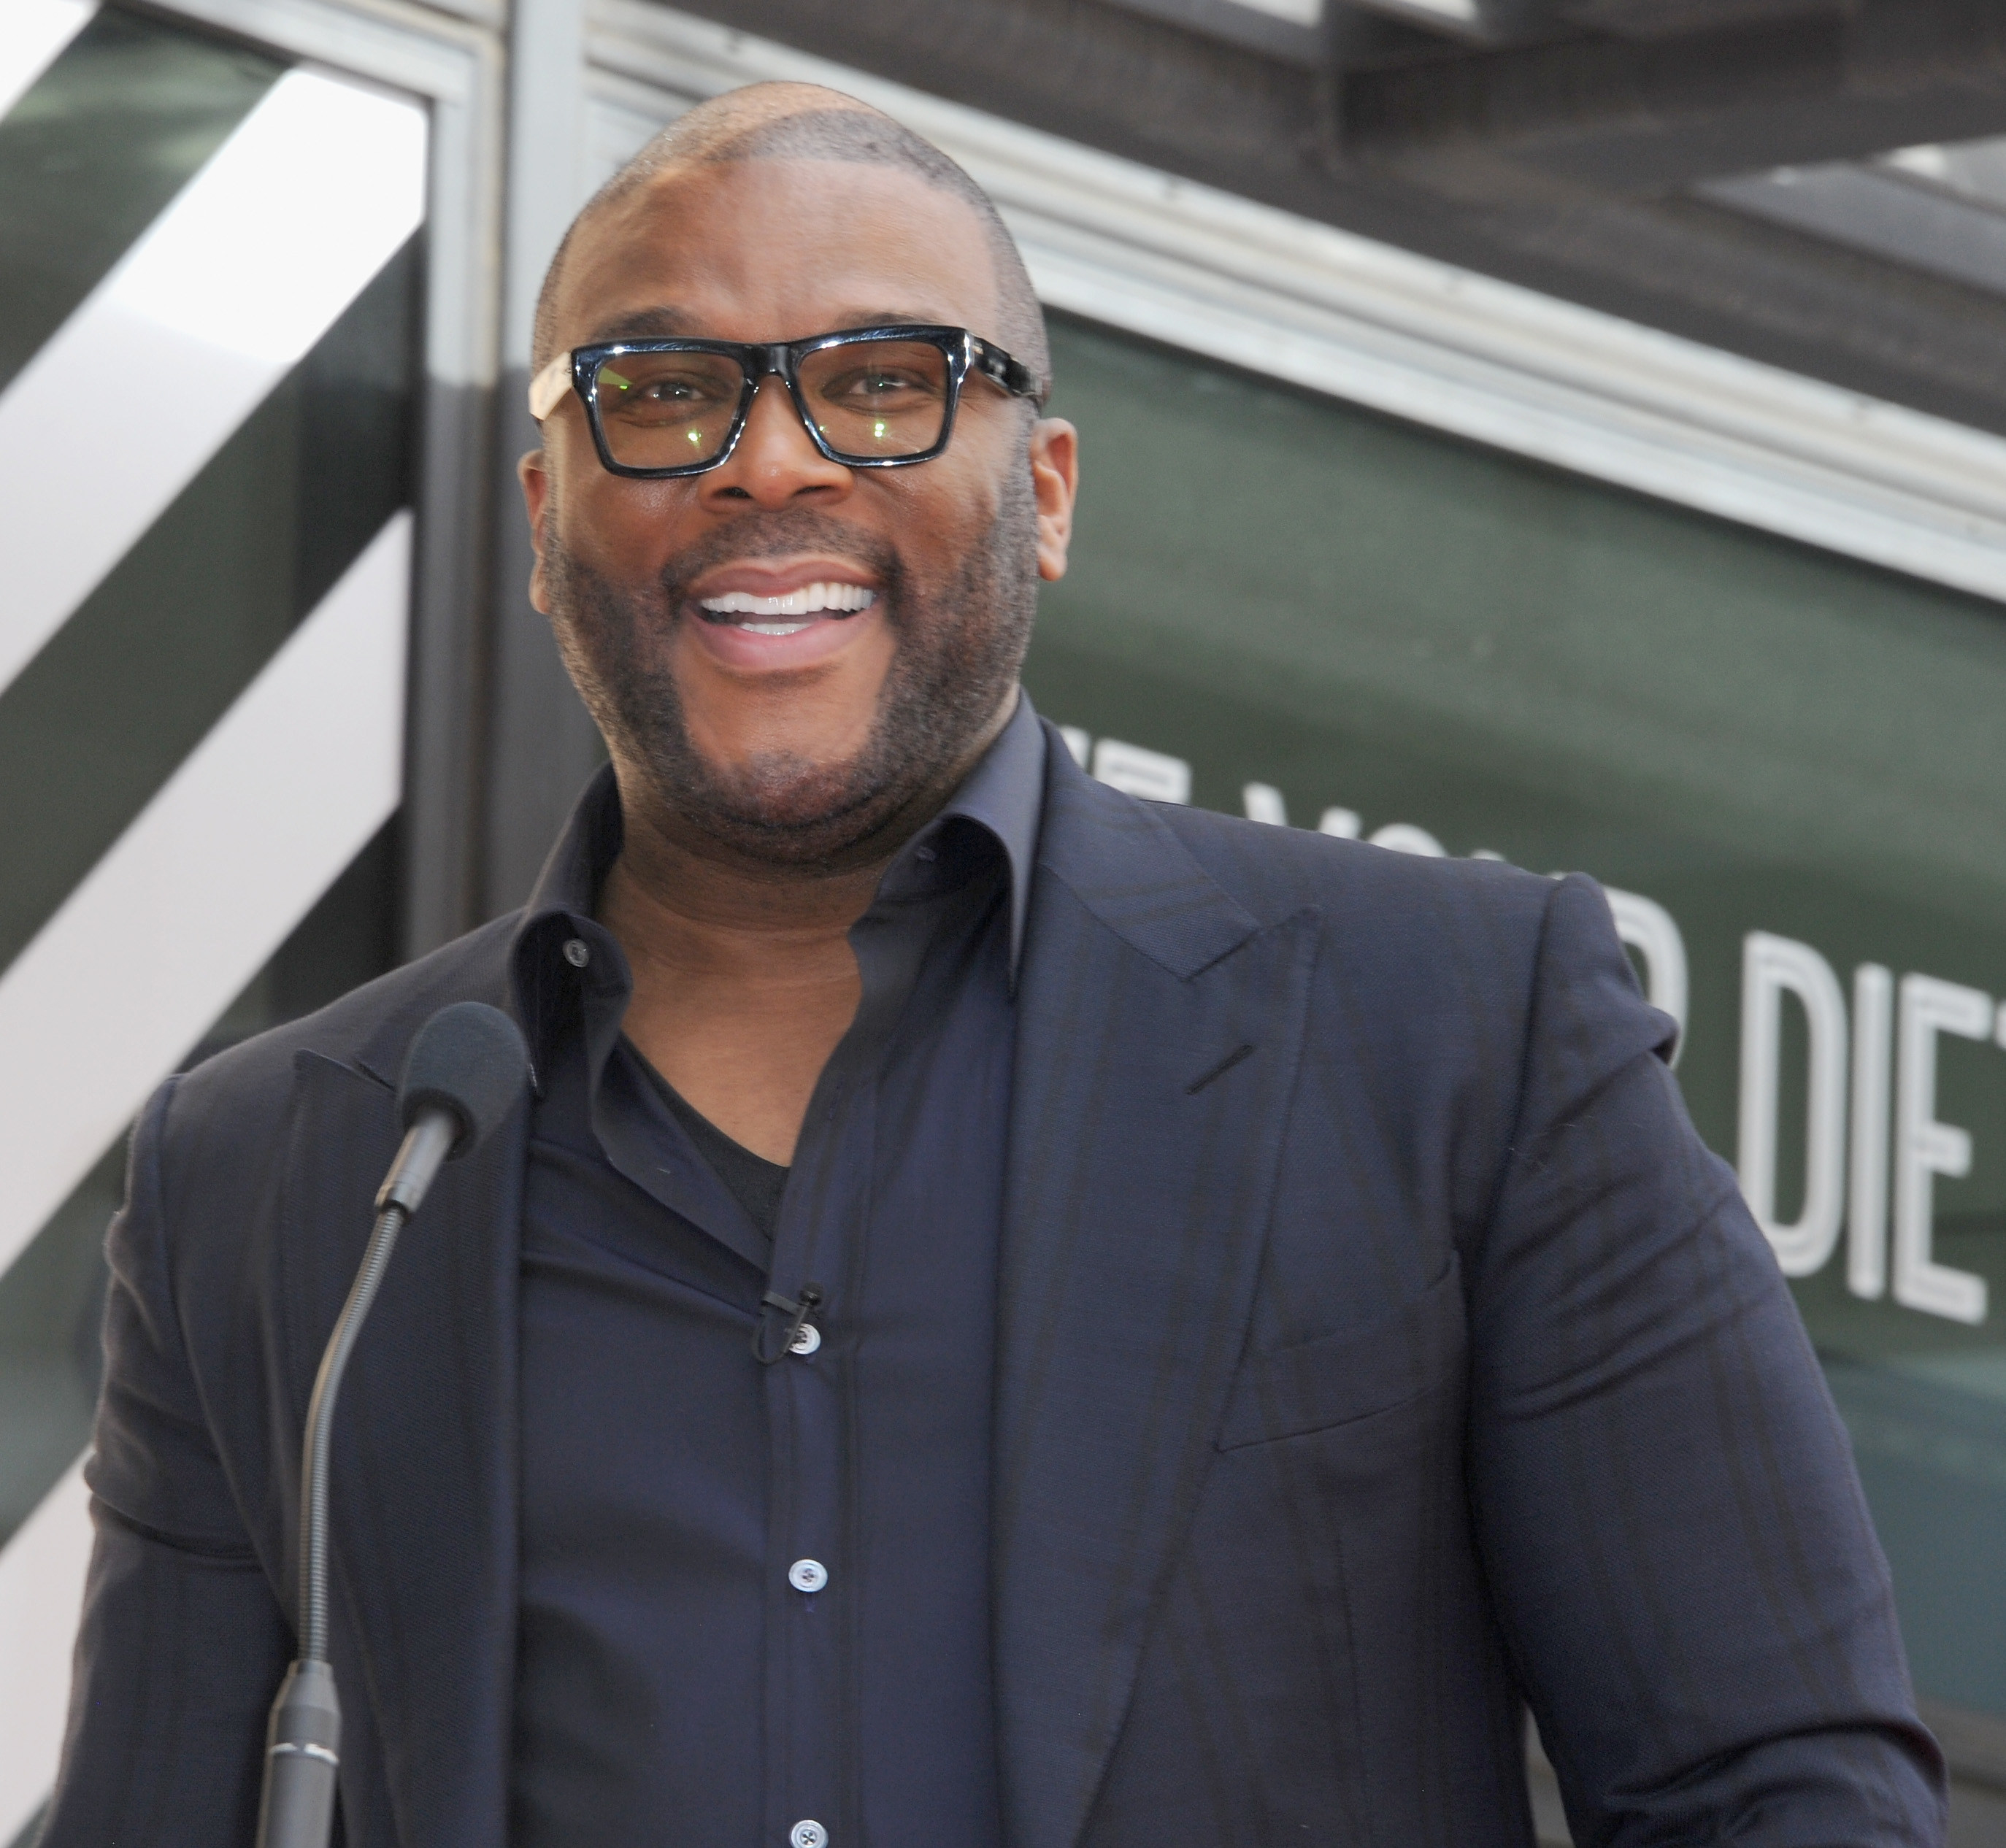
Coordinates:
[775,536]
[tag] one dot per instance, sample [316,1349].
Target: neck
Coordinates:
[678,895]
[744,978]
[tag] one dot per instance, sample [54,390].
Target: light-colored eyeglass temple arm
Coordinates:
[547,389]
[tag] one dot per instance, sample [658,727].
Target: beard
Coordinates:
[956,650]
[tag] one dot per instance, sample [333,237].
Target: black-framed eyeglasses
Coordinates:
[870,397]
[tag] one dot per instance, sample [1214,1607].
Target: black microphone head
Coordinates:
[469,1059]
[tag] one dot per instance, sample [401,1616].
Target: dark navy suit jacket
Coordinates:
[1378,1350]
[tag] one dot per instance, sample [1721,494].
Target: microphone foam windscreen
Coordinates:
[469,1059]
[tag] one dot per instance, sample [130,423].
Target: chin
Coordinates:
[785,807]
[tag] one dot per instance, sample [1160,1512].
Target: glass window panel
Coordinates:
[1467,651]
[95,724]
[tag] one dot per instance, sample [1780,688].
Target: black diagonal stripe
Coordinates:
[94,150]
[105,713]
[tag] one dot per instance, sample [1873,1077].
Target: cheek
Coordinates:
[942,523]
[627,530]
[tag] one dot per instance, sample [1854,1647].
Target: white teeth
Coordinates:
[772,628]
[811,600]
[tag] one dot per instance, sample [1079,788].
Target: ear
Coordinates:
[533,472]
[1055,482]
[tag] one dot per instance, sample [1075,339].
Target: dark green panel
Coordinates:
[96,149]
[102,716]
[51,1297]
[1284,589]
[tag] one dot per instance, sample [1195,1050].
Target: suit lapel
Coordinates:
[1158,1028]
[423,1501]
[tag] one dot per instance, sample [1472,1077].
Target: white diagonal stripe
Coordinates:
[35,33]
[41,1592]
[203,888]
[243,272]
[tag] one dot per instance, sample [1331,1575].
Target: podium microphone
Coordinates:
[463,1073]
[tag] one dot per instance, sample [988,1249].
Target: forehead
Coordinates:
[764,250]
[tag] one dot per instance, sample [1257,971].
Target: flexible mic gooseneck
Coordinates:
[462,1075]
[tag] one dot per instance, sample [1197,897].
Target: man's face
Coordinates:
[790,744]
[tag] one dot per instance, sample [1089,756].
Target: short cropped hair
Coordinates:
[758,124]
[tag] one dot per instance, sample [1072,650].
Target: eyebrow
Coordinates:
[642,324]
[666,323]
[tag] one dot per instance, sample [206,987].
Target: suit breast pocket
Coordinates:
[1353,1373]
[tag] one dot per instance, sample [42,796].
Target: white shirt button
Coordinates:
[577,952]
[808,1574]
[807,1338]
[808,1835]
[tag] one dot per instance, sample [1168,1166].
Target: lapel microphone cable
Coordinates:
[465,1070]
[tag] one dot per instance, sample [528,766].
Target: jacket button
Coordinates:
[808,1835]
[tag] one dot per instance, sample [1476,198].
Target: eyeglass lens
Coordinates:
[870,400]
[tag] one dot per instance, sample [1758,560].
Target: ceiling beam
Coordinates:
[1648,115]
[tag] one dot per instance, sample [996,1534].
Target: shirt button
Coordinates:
[577,952]
[808,1835]
[807,1338]
[808,1574]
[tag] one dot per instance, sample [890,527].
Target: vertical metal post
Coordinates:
[541,746]
[444,764]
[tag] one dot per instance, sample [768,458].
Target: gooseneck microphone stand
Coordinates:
[465,1070]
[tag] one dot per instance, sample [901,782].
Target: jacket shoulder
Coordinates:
[1274,870]
[367,1028]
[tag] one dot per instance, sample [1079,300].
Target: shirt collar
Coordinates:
[1004,794]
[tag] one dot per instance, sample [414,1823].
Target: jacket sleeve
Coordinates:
[182,1644]
[1673,1531]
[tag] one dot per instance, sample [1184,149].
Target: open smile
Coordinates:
[761,618]
[788,613]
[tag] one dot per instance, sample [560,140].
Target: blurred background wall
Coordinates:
[1572,430]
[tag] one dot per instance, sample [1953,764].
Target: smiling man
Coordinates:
[1013,1316]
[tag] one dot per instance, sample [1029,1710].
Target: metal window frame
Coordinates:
[453,60]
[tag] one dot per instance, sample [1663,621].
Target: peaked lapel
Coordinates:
[423,1503]
[1159,1025]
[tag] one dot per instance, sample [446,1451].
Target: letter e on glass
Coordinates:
[1925,1148]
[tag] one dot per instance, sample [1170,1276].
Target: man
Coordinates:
[1013,1314]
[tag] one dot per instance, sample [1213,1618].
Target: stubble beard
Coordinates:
[956,653]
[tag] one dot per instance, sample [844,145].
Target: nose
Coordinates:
[775,462]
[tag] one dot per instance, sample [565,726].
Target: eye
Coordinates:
[880,388]
[653,389]
[671,391]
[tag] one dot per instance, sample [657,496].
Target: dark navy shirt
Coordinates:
[755,1596]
